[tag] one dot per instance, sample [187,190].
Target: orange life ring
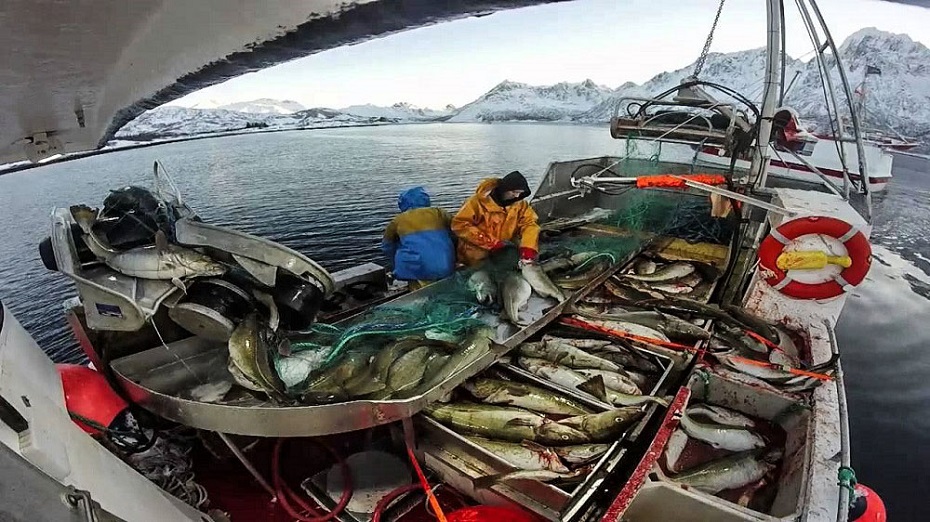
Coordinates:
[856,244]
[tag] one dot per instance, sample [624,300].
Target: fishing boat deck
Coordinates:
[172,380]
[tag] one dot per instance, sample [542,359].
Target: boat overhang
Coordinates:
[75,72]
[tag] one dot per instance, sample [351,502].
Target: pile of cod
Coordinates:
[548,436]
[539,429]
[718,450]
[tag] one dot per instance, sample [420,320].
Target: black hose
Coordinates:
[726,90]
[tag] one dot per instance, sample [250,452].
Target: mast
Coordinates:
[864,89]
[761,155]
[830,96]
[857,131]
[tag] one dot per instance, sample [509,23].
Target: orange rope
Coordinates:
[795,371]
[573,321]
[433,501]
[678,181]
[769,344]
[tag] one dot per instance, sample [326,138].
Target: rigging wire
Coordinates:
[699,65]
[824,71]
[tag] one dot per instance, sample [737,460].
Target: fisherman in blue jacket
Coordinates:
[417,242]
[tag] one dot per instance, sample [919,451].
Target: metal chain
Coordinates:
[710,38]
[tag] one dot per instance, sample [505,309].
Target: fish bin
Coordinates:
[473,457]
[770,488]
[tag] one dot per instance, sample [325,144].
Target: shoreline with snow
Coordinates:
[117,146]
[10,168]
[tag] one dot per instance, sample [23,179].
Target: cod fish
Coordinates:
[626,359]
[625,292]
[163,261]
[613,380]
[526,455]
[668,272]
[576,281]
[581,454]
[674,448]
[721,415]
[604,426]
[534,398]
[509,424]
[483,286]
[753,322]
[333,379]
[630,328]
[553,372]
[765,373]
[639,379]
[540,282]
[734,471]
[405,373]
[566,355]
[516,293]
[667,324]
[584,344]
[595,387]
[721,437]
[250,347]
[543,475]
[474,347]
[644,267]
[374,378]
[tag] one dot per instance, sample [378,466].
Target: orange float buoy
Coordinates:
[89,396]
[867,506]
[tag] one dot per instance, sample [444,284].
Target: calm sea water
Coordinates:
[329,193]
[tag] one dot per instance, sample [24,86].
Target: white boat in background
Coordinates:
[823,156]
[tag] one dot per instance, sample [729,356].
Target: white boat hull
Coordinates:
[879,163]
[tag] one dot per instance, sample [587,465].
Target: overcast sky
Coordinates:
[608,41]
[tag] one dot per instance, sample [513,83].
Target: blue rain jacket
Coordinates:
[417,242]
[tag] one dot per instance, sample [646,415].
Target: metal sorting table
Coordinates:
[162,378]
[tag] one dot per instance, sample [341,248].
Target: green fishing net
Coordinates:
[640,214]
[672,213]
[445,311]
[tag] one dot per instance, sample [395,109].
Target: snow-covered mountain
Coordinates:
[900,96]
[174,122]
[264,106]
[513,101]
[741,71]
[400,111]
[171,121]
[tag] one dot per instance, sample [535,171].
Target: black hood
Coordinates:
[512,181]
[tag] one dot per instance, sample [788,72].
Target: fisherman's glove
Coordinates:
[527,256]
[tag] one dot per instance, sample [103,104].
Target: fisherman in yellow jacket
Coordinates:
[495,215]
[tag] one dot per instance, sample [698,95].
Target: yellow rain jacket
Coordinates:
[481,223]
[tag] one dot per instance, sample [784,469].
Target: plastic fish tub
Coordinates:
[459,462]
[661,498]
